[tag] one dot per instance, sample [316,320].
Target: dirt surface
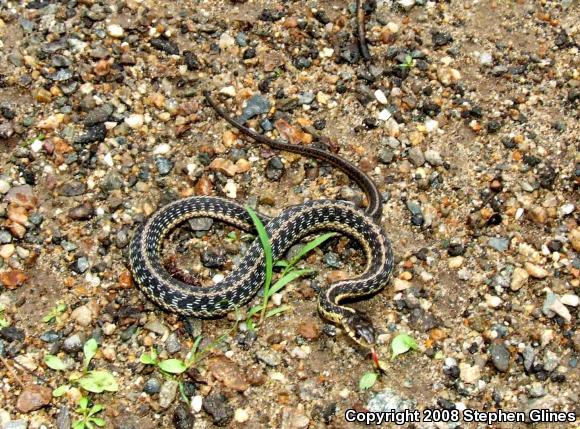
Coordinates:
[466,117]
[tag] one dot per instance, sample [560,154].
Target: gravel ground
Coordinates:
[467,117]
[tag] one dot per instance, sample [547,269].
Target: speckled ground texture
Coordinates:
[466,116]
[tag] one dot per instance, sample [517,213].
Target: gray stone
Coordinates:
[416,157]
[167,393]
[388,400]
[500,356]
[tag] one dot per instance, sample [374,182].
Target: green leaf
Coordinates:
[367,380]
[173,366]
[98,421]
[61,308]
[402,343]
[97,408]
[311,246]
[265,240]
[439,355]
[48,318]
[292,275]
[254,310]
[54,362]
[89,350]
[79,425]
[282,263]
[60,390]
[250,325]
[83,403]
[148,358]
[278,310]
[98,382]
[196,344]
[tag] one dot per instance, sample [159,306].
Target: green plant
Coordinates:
[179,366]
[54,313]
[289,272]
[402,343]
[95,381]
[409,62]
[88,415]
[3,321]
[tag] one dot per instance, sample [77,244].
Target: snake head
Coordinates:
[360,329]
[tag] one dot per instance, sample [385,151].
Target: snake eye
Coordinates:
[360,329]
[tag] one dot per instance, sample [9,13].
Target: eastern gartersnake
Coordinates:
[293,224]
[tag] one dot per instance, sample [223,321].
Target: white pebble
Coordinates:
[566,209]
[570,299]
[196,403]
[381,97]
[384,115]
[241,415]
[393,27]
[228,90]
[115,30]
[492,301]
[455,262]
[277,299]
[162,149]
[519,213]
[231,189]
[400,284]
[326,53]
[4,186]
[226,41]
[485,58]
[431,125]
[7,250]
[108,159]
[535,271]
[218,278]
[134,121]
[36,145]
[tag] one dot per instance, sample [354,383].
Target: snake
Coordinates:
[293,224]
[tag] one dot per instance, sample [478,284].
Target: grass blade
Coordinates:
[265,240]
[310,246]
[292,275]
[278,310]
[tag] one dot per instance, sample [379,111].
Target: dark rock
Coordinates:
[84,211]
[212,258]
[94,133]
[275,168]
[217,407]
[455,249]
[441,39]
[73,344]
[249,53]
[99,114]
[72,189]
[165,45]
[111,182]
[11,334]
[191,60]
[152,386]
[182,417]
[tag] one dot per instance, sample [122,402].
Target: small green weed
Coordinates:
[409,62]
[88,415]
[3,321]
[54,313]
[289,272]
[95,381]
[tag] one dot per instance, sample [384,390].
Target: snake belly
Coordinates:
[293,224]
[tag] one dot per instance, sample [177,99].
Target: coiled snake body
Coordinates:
[293,224]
